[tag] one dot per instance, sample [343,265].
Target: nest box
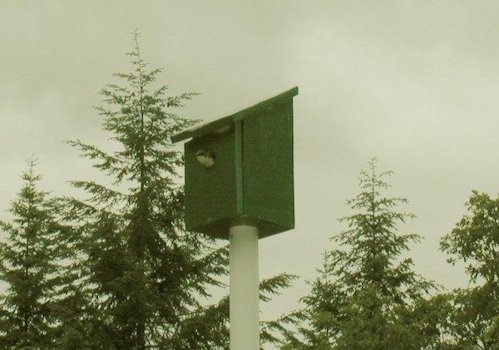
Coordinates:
[240,169]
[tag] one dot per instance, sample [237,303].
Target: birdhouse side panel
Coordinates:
[210,191]
[268,167]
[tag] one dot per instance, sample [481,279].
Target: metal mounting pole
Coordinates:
[244,294]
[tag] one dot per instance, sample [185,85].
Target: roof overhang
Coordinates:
[224,124]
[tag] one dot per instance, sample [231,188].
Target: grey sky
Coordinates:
[414,83]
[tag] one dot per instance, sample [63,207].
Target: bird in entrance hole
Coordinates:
[206,157]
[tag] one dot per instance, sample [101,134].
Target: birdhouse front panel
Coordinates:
[210,191]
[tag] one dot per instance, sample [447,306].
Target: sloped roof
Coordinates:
[222,124]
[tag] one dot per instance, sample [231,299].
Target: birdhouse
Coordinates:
[240,169]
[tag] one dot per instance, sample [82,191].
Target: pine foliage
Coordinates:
[144,273]
[29,267]
[475,242]
[365,286]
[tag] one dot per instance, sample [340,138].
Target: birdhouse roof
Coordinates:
[223,124]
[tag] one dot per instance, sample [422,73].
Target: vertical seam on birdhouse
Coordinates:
[238,138]
[293,159]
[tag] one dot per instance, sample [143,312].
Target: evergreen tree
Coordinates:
[475,241]
[29,267]
[144,276]
[364,294]
[144,271]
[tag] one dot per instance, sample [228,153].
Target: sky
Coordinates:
[413,83]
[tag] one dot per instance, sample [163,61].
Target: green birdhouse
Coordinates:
[240,169]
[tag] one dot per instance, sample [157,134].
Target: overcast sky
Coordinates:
[414,83]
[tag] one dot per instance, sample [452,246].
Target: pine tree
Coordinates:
[144,270]
[365,289]
[29,267]
[475,241]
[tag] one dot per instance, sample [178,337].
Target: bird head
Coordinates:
[206,157]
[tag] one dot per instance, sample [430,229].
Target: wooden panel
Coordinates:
[210,192]
[268,167]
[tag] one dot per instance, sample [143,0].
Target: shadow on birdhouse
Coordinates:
[240,169]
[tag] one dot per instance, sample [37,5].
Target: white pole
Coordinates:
[244,312]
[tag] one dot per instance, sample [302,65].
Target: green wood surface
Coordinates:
[252,179]
[238,153]
[210,193]
[268,167]
[220,124]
